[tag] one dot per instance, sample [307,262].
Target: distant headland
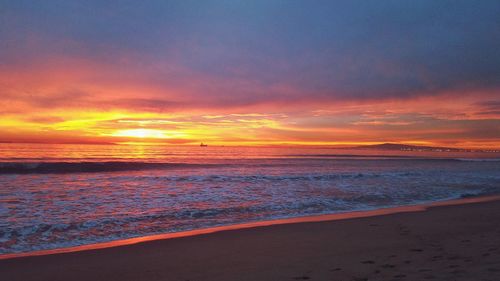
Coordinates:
[407,147]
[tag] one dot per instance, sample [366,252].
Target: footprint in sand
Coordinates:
[436,258]
[303,277]
[424,270]
[493,270]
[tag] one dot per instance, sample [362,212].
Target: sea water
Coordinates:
[55,196]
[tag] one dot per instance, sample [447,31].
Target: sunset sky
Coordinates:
[251,72]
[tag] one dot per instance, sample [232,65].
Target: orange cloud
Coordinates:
[67,99]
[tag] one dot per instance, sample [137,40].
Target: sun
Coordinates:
[142,133]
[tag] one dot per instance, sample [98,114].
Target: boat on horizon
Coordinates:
[203,145]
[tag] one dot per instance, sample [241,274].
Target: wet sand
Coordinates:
[457,242]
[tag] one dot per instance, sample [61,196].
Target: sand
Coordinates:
[458,242]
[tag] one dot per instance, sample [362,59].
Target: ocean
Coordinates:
[56,196]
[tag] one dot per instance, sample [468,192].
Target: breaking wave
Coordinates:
[87,167]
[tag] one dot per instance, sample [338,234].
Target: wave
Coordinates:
[66,167]
[389,157]
[355,156]
[303,178]
[87,167]
[14,239]
[478,159]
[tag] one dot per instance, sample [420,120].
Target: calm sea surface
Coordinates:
[54,196]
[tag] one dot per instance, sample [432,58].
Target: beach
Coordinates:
[455,242]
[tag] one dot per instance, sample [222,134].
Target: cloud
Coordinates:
[367,71]
[240,53]
[492,105]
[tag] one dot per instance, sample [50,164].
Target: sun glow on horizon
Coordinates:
[144,133]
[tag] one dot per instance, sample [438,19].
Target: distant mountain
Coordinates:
[406,147]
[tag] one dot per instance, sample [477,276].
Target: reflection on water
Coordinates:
[75,152]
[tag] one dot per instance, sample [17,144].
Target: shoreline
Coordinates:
[258,224]
[457,241]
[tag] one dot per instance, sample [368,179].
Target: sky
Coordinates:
[251,72]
